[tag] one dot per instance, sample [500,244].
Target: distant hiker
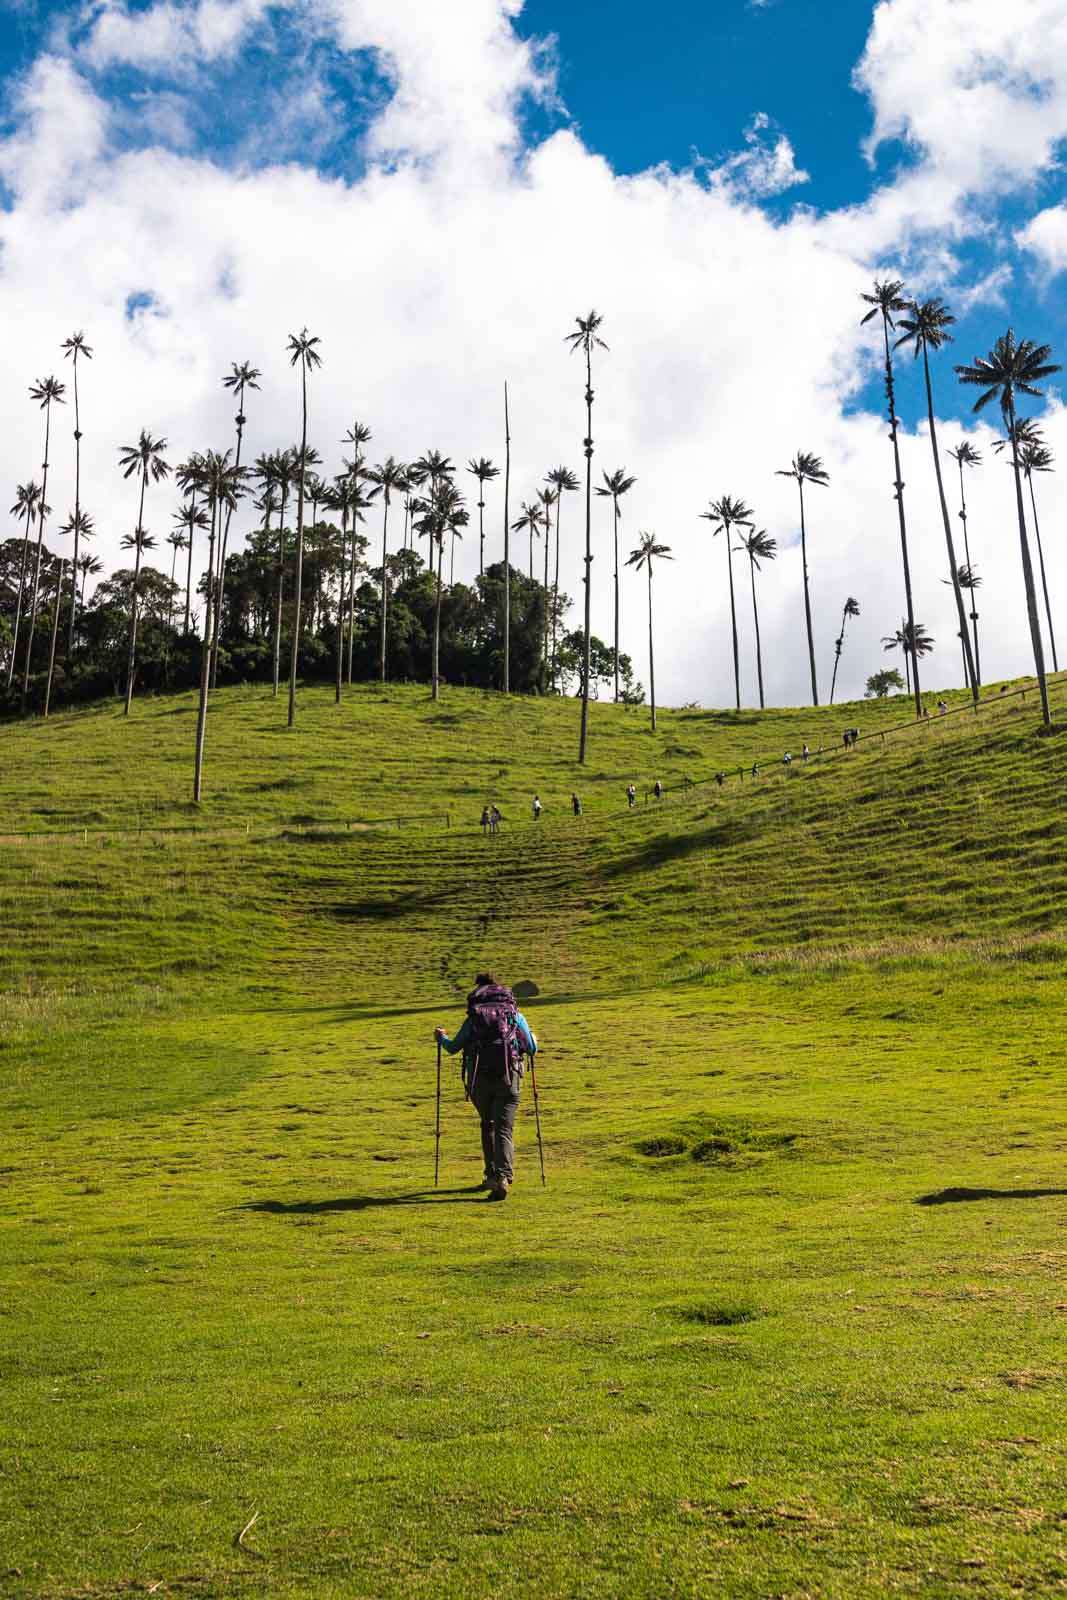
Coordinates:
[787,760]
[942,707]
[631,796]
[720,778]
[848,739]
[495,819]
[657,789]
[485,818]
[494,1037]
[755,769]
[805,753]
[576,805]
[536,808]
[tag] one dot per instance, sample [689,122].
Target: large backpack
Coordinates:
[494,1017]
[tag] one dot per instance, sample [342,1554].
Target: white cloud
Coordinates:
[1045,237]
[460,259]
[766,166]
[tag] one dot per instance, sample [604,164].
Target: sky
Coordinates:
[438,191]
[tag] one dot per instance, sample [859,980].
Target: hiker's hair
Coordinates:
[482,979]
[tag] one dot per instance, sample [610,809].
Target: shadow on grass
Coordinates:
[948,1197]
[364,1202]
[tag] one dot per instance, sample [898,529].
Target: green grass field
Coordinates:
[788,1318]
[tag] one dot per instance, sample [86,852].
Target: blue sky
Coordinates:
[438,190]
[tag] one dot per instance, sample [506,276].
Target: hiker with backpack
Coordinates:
[494,1038]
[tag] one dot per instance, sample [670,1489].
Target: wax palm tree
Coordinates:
[350,499]
[507,544]
[615,485]
[79,525]
[145,458]
[648,551]
[965,455]
[925,328]
[758,546]
[47,392]
[548,498]
[851,608]
[187,477]
[138,541]
[285,473]
[27,497]
[530,521]
[913,640]
[89,566]
[241,376]
[484,470]
[442,513]
[303,349]
[806,468]
[725,514]
[191,519]
[75,349]
[564,481]
[221,484]
[390,476]
[587,339]
[177,541]
[968,581]
[57,602]
[1016,366]
[1035,456]
[887,302]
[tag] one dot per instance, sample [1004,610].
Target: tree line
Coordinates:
[313,588]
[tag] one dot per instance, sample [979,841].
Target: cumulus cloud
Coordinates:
[458,257]
[1045,237]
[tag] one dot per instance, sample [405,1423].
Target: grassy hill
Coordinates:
[787,1318]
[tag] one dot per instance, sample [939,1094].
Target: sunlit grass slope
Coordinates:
[788,1318]
[383,752]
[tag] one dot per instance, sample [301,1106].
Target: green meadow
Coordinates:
[788,1318]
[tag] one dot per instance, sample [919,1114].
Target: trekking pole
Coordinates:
[437,1129]
[537,1119]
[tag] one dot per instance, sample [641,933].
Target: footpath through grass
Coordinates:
[788,1318]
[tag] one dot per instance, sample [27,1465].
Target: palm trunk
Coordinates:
[133,603]
[651,653]
[341,607]
[755,620]
[531,552]
[548,546]
[555,596]
[385,585]
[507,547]
[189,570]
[351,601]
[281,590]
[970,675]
[1028,572]
[37,560]
[898,491]
[807,596]
[1044,581]
[77,513]
[224,543]
[55,631]
[970,569]
[481,538]
[586,663]
[18,602]
[615,507]
[733,619]
[130,665]
[838,643]
[452,561]
[205,668]
[435,678]
[907,655]
[299,543]
[173,586]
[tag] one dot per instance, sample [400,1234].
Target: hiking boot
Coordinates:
[498,1189]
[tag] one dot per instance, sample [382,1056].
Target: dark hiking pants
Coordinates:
[496,1100]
